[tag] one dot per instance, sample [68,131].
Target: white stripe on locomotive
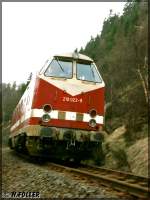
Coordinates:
[54,115]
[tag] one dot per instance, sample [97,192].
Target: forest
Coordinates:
[121,53]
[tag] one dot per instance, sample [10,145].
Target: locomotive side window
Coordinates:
[60,69]
[88,72]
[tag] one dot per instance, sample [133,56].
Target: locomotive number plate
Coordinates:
[72,99]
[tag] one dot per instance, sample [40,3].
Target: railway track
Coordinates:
[122,181]
[128,183]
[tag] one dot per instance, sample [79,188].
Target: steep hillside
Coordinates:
[120,51]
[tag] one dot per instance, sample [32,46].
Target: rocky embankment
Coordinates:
[123,155]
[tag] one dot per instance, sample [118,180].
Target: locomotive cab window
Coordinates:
[88,72]
[59,69]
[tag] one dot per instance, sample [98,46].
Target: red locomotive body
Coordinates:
[62,109]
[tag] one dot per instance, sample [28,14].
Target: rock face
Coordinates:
[120,156]
[137,156]
[114,149]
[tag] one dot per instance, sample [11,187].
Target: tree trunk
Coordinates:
[144,84]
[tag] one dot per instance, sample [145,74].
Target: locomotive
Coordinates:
[61,112]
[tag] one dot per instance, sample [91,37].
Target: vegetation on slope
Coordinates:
[121,53]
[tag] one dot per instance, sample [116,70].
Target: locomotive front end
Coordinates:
[67,110]
[68,105]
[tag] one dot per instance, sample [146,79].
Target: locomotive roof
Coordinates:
[75,55]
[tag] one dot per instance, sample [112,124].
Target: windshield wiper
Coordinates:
[60,65]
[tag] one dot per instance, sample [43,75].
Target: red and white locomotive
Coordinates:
[62,110]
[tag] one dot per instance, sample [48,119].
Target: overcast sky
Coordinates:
[33,32]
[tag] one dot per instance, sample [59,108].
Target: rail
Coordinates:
[129,183]
[122,181]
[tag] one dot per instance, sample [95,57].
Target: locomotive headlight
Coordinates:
[46,118]
[47,108]
[92,123]
[93,113]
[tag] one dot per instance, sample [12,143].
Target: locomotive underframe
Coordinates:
[59,143]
